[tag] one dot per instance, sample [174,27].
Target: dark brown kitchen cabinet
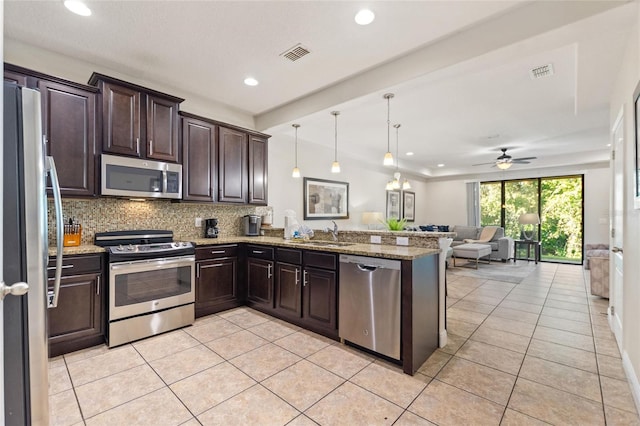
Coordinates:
[15,77]
[79,319]
[138,121]
[199,160]
[288,290]
[258,166]
[69,127]
[260,283]
[216,279]
[319,298]
[232,166]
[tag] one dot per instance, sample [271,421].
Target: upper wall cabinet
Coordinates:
[69,125]
[137,121]
[221,162]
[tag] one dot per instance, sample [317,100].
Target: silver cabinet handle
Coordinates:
[138,145]
[297,276]
[269,274]
[63,267]
[218,252]
[617,250]
[98,285]
[304,283]
[257,251]
[150,147]
[198,271]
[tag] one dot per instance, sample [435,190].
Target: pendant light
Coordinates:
[335,167]
[388,158]
[396,183]
[296,170]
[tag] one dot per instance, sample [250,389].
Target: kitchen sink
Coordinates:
[323,243]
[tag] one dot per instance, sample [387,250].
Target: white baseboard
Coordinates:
[634,384]
[443,338]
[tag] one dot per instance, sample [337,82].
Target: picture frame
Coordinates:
[636,169]
[394,204]
[409,206]
[325,199]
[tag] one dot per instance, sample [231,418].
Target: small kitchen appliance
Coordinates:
[211,228]
[252,224]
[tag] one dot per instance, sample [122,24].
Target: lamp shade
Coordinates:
[371,218]
[529,219]
[503,165]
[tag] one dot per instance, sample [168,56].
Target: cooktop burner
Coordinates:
[142,244]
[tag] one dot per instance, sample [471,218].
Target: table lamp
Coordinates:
[371,218]
[528,219]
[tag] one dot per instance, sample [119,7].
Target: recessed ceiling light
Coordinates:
[250,81]
[441,165]
[77,7]
[365,17]
[608,144]
[409,153]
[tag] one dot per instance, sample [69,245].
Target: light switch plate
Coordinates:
[198,222]
[376,239]
[402,241]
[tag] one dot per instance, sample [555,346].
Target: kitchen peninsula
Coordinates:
[237,270]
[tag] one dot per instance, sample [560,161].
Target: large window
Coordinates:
[557,200]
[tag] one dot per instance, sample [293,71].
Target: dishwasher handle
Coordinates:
[368,268]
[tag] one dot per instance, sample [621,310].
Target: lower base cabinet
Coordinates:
[78,321]
[216,279]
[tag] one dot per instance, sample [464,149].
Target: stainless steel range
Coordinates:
[151,283]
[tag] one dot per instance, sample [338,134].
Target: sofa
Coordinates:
[501,246]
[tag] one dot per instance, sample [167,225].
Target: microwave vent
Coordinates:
[295,53]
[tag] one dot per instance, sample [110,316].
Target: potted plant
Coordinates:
[394,224]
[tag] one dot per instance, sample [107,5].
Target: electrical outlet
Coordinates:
[376,239]
[402,241]
[198,222]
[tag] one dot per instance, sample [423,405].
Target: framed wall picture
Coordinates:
[409,206]
[325,199]
[393,204]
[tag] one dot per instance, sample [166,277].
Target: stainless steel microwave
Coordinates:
[134,177]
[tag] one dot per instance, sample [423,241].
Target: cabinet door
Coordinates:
[162,129]
[77,321]
[257,170]
[260,282]
[69,126]
[14,77]
[319,298]
[121,126]
[288,289]
[199,158]
[216,285]
[232,166]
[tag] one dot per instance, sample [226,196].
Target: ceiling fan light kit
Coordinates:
[503,165]
[505,161]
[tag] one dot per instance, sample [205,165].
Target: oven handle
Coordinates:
[161,263]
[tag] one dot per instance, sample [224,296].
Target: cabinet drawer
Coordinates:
[212,252]
[260,252]
[289,256]
[74,265]
[320,260]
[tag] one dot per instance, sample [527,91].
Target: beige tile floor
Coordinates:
[535,352]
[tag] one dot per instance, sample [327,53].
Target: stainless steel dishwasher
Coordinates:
[369,305]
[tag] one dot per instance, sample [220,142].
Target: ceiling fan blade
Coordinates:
[524,158]
[484,164]
[521,162]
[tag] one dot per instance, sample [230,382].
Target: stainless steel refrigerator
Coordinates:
[25,257]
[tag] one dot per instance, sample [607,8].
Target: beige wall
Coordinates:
[622,97]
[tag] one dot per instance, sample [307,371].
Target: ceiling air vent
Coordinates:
[542,71]
[295,53]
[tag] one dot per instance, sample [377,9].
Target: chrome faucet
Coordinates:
[334,232]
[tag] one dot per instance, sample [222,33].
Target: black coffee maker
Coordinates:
[211,228]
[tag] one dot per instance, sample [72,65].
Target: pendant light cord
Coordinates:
[397,126]
[296,127]
[335,114]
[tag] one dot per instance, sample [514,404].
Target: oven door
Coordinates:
[145,286]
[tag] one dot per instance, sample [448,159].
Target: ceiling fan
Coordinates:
[504,161]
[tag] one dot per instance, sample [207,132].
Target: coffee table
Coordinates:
[472,251]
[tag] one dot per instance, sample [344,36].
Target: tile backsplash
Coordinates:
[114,214]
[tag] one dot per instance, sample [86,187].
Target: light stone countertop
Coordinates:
[372,250]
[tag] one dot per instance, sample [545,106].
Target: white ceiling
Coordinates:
[459,70]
